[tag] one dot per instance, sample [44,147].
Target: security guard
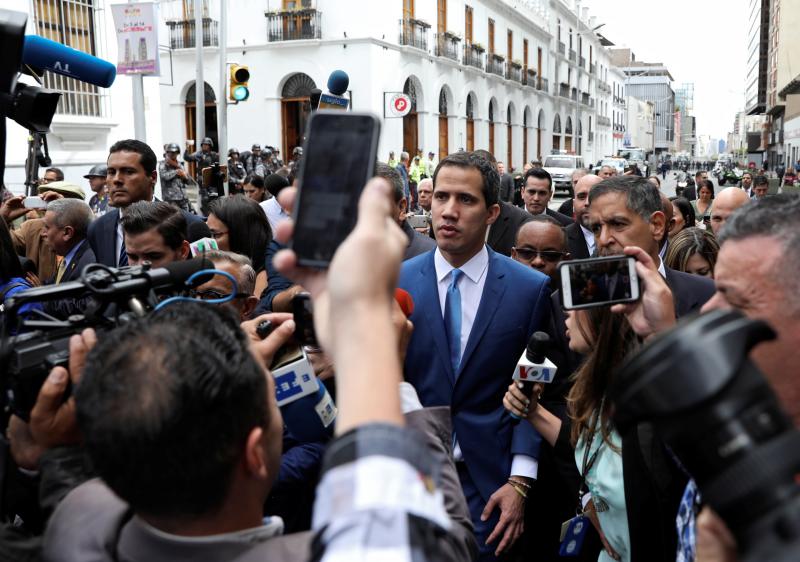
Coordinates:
[173,178]
[236,172]
[204,158]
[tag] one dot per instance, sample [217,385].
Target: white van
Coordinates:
[560,168]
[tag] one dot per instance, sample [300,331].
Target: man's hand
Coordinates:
[654,312]
[512,517]
[715,543]
[52,420]
[49,196]
[13,208]
[266,349]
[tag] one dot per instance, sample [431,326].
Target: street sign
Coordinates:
[396,104]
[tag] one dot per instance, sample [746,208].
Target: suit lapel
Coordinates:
[429,303]
[492,295]
[576,235]
[69,275]
[498,230]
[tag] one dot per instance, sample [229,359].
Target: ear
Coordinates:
[69,233]
[255,456]
[494,212]
[658,225]
[249,306]
[185,250]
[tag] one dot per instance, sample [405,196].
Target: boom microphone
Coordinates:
[41,53]
[338,83]
[533,366]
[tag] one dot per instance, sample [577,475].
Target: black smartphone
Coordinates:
[598,282]
[303,310]
[338,160]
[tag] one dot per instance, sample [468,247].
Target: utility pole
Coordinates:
[200,84]
[139,126]
[223,81]
[578,45]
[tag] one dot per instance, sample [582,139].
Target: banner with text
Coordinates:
[137,38]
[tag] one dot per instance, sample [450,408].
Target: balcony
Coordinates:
[574,95]
[562,48]
[542,85]
[181,34]
[414,33]
[563,90]
[592,67]
[572,55]
[529,77]
[514,72]
[293,25]
[448,45]
[495,64]
[582,62]
[585,99]
[605,121]
[473,55]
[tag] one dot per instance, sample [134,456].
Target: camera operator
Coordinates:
[200,476]
[131,177]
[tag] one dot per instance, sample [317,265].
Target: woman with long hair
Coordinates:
[682,215]
[239,225]
[693,250]
[632,506]
[704,202]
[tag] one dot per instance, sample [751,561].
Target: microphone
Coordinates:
[306,406]
[41,53]
[405,301]
[200,239]
[533,366]
[338,83]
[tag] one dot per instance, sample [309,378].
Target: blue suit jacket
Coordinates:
[102,236]
[514,304]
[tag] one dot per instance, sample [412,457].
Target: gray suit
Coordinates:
[417,243]
[93,524]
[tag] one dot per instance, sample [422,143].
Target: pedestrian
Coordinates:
[173,178]
[414,177]
[402,169]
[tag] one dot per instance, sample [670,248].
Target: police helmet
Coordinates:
[207,141]
[97,171]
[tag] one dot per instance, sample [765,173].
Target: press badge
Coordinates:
[572,534]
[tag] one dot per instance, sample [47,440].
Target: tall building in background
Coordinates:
[757,57]
[686,135]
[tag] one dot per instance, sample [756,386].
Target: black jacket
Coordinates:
[503,233]
[578,250]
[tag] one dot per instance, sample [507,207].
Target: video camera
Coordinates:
[716,412]
[117,297]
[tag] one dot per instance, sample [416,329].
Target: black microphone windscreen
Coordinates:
[198,230]
[180,271]
[338,82]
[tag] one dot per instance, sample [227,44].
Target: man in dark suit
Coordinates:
[506,184]
[504,230]
[537,190]
[66,223]
[580,239]
[131,177]
[474,312]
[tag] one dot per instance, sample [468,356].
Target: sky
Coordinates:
[700,41]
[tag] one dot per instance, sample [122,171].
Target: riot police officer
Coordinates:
[204,158]
[236,172]
[253,162]
[173,178]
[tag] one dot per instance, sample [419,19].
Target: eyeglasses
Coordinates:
[529,254]
[211,294]
[217,235]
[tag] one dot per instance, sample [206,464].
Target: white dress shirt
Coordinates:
[588,235]
[471,285]
[119,239]
[274,211]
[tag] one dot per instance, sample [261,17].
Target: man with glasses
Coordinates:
[51,175]
[220,287]
[542,244]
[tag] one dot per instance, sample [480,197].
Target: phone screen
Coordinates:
[338,160]
[598,282]
[34,202]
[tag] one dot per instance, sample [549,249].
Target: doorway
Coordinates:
[190,120]
[295,111]
[410,121]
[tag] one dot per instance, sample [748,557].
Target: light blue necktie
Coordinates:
[452,318]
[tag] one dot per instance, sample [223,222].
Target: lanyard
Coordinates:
[588,462]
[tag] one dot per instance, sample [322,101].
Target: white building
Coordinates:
[517,77]
[640,124]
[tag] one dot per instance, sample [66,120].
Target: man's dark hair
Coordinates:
[165,218]
[491,179]
[487,155]
[9,261]
[58,172]
[760,180]
[165,406]
[255,180]
[698,173]
[275,183]
[641,196]
[773,217]
[147,158]
[391,175]
[544,218]
[539,173]
[249,232]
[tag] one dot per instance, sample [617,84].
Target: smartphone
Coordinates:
[34,202]
[597,282]
[303,311]
[338,160]
[418,221]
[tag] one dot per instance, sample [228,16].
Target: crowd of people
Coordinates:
[162,438]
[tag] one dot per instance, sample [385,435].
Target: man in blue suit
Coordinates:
[474,312]
[131,177]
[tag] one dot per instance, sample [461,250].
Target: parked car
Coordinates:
[560,168]
[618,164]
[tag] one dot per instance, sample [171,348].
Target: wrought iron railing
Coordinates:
[293,25]
[448,46]
[473,56]
[414,33]
[182,34]
[495,64]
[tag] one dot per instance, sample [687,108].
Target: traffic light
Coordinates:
[238,86]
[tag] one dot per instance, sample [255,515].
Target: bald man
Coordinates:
[725,203]
[580,239]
